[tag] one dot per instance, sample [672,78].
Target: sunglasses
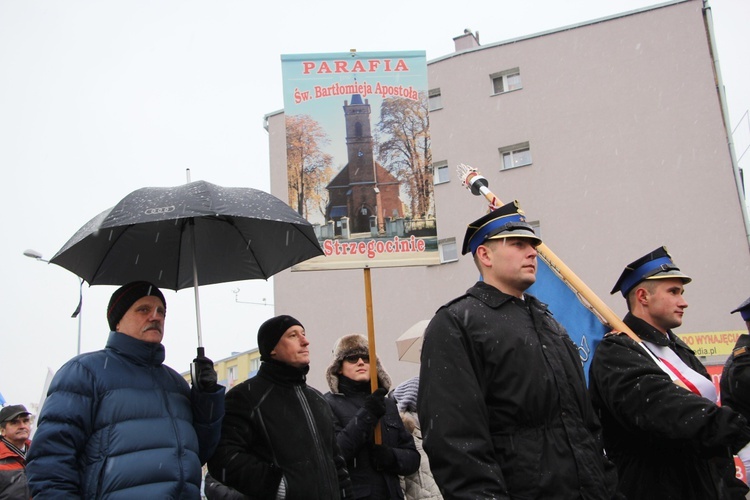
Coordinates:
[354,358]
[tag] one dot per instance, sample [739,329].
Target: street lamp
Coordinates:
[78,312]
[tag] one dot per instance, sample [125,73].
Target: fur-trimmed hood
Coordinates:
[346,346]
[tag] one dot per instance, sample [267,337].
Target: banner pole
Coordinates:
[371,345]
[477,184]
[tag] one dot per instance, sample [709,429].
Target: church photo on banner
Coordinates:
[359,165]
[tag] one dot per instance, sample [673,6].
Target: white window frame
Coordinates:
[506,79]
[434,100]
[232,374]
[514,156]
[438,168]
[254,365]
[448,249]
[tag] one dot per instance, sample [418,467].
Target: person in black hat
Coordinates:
[661,422]
[502,396]
[15,429]
[278,439]
[118,422]
[735,377]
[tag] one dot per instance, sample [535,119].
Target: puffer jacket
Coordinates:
[420,485]
[13,484]
[119,424]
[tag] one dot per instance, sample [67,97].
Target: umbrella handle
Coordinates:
[193,369]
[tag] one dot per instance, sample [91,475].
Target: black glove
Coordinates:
[375,402]
[345,482]
[383,457]
[205,375]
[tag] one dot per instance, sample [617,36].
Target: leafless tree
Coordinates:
[308,167]
[403,147]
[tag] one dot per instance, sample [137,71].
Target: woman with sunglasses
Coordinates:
[374,468]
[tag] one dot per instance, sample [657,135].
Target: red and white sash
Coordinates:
[678,370]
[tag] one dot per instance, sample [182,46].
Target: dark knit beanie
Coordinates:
[270,333]
[126,296]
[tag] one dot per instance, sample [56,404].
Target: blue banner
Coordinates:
[583,326]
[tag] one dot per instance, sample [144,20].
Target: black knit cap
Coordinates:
[126,296]
[270,333]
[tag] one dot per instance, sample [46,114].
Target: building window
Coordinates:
[435,101]
[254,364]
[231,375]
[440,172]
[518,155]
[448,250]
[505,81]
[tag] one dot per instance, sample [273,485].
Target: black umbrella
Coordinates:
[189,235]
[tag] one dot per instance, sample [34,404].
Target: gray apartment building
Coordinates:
[612,135]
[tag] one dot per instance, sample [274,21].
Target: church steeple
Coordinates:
[359,141]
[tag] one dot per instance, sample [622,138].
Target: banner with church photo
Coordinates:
[359,165]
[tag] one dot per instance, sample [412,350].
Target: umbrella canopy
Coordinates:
[168,235]
[409,344]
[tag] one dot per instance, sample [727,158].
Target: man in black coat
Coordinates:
[502,396]
[277,438]
[735,378]
[658,407]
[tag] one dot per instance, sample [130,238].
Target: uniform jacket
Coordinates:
[119,424]
[503,405]
[667,442]
[735,378]
[276,425]
[354,426]
[13,484]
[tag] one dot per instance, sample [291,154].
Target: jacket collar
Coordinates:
[650,334]
[140,352]
[742,341]
[8,450]
[282,373]
[494,298]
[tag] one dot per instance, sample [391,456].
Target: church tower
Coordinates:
[359,142]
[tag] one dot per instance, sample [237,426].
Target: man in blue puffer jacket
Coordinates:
[119,424]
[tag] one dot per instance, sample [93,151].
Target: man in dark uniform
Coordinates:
[657,404]
[735,378]
[502,395]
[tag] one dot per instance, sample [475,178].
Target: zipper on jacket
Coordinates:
[314,431]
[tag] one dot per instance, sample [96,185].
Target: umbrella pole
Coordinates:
[371,345]
[195,287]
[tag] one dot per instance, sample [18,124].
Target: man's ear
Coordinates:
[484,255]
[641,296]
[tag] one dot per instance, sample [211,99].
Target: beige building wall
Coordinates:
[234,369]
[629,151]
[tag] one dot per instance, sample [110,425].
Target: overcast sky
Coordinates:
[98,99]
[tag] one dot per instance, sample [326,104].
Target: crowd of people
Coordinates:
[501,408]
